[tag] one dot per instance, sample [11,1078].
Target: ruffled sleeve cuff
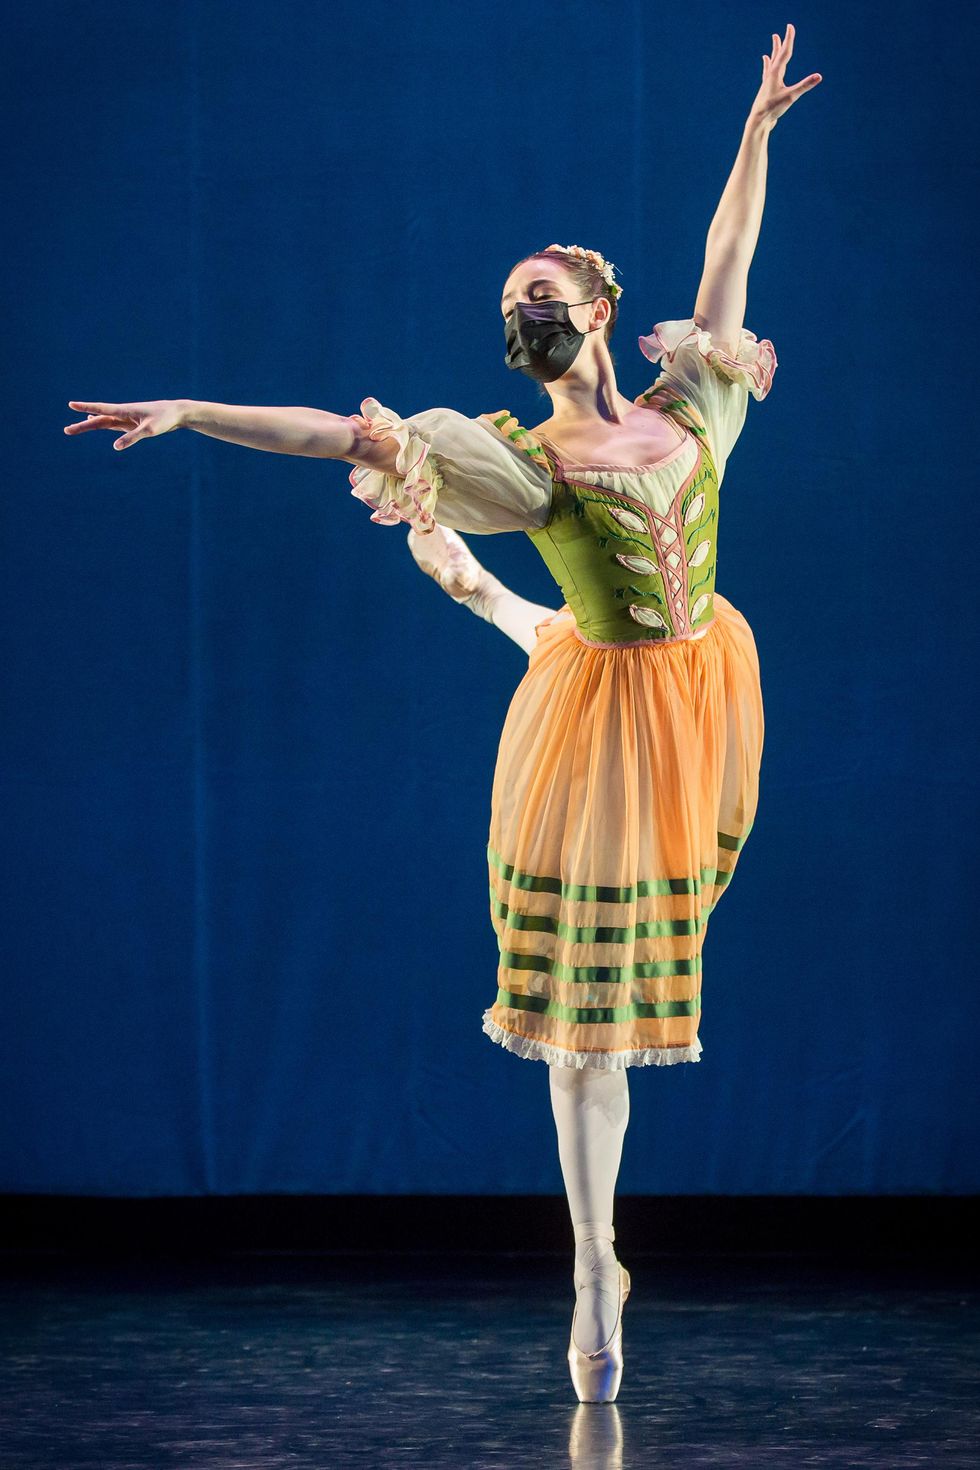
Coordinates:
[411,493]
[753,364]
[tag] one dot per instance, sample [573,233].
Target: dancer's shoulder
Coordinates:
[507,426]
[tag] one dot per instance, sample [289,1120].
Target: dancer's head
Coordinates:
[539,347]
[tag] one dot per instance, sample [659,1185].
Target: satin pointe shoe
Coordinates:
[444,554]
[596,1376]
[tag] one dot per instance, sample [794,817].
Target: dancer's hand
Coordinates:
[773,97]
[446,557]
[140,420]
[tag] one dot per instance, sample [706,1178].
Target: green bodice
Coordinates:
[629,573]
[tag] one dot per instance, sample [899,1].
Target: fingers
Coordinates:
[774,67]
[107,416]
[775,63]
[782,50]
[101,416]
[94,421]
[97,421]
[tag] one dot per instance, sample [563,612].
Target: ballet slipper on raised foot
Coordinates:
[596,1376]
[445,556]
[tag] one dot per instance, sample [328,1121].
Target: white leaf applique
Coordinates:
[694,509]
[641,564]
[647,615]
[629,519]
[700,554]
[700,606]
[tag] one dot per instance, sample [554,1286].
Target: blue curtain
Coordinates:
[247,746]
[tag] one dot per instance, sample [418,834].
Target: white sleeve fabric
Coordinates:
[715,382]
[451,470]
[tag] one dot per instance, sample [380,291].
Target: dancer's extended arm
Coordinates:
[309,431]
[734,230]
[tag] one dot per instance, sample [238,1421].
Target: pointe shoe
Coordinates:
[596,1376]
[445,556]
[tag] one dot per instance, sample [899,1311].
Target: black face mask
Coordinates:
[541,340]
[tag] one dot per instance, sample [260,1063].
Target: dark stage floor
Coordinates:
[334,1361]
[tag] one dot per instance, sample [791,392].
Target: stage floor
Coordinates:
[366,1360]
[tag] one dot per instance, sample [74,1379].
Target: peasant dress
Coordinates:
[627,772]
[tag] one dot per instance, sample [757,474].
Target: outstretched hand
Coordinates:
[774,97]
[140,420]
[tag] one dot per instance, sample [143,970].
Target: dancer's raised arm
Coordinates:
[719,308]
[711,359]
[309,431]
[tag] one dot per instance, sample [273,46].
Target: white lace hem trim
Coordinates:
[543,1051]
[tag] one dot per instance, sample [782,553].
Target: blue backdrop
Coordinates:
[247,747]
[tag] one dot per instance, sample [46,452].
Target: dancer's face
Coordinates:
[552,326]
[537,280]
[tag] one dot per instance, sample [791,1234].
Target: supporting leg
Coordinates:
[591,1112]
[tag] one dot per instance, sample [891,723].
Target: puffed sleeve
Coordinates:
[460,472]
[715,382]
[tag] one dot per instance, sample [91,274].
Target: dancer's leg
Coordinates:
[591,1111]
[446,557]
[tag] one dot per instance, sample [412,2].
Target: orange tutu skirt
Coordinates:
[626,783]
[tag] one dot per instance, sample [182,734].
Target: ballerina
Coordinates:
[627,774]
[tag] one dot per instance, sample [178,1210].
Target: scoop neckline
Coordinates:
[655,464]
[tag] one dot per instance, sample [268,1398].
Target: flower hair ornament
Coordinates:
[604,267]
